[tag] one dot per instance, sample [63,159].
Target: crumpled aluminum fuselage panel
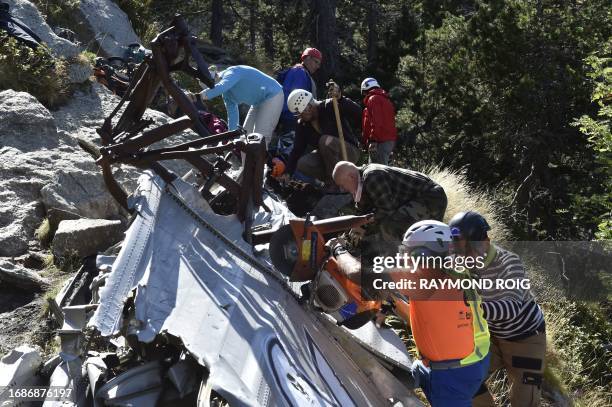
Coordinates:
[260,346]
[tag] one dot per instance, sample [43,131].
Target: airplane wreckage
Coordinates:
[204,304]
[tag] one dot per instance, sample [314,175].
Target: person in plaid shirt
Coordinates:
[398,197]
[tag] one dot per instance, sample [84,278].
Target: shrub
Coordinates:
[32,71]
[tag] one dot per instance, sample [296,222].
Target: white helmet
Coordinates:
[369,83]
[298,100]
[213,70]
[429,234]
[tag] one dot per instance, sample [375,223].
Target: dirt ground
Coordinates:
[22,321]
[19,317]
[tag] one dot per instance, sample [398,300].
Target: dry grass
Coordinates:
[596,397]
[43,233]
[57,278]
[463,197]
[86,58]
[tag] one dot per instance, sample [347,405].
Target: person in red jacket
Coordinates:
[378,122]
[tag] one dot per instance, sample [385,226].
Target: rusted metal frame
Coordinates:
[134,80]
[256,148]
[113,186]
[251,191]
[192,157]
[149,137]
[135,129]
[161,64]
[106,131]
[119,152]
[191,50]
[140,97]
[193,145]
[156,155]
[175,126]
[227,136]
[202,165]
[157,69]
[145,84]
[207,169]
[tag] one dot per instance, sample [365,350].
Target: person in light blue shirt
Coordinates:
[244,84]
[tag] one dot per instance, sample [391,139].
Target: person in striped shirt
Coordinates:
[516,322]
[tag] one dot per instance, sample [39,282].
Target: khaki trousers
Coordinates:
[524,364]
[320,163]
[262,118]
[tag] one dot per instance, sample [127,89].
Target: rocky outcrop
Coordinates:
[42,166]
[22,115]
[16,276]
[78,71]
[84,237]
[109,25]
[99,24]
[81,192]
[27,139]
[29,14]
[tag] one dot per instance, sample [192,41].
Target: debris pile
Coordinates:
[188,308]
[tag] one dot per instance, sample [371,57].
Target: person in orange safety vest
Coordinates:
[448,327]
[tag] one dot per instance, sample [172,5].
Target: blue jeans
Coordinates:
[450,387]
[381,153]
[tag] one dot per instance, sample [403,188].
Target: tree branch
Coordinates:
[523,185]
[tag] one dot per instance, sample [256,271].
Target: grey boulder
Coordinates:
[80,192]
[27,134]
[29,14]
[109,25]
[84,237]
[15,275]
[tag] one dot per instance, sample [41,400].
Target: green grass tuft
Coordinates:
[50,295]
[86,57]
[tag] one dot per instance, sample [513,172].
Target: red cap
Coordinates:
[312,52]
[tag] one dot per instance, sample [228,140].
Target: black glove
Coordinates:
[336,246]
